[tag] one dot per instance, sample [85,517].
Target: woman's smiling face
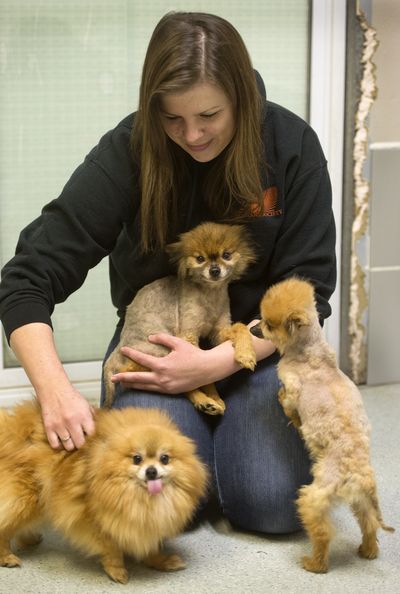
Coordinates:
[200,120]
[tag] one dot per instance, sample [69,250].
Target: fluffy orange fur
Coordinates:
[327,408]
[136,482]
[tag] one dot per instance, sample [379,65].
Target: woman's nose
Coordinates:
[192,132]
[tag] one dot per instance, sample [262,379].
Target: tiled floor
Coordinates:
[223,561]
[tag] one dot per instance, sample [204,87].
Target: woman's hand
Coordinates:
[184,368]
[67,418]
[67,415]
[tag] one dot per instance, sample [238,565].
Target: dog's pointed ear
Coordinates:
[176,257]
[174,250]
[295,321]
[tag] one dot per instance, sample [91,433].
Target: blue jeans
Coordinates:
[256,460]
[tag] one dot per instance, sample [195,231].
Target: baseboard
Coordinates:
[11,396]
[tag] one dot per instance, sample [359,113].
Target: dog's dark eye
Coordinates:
[200,259]
[227,255]
[137,459]
[164,459]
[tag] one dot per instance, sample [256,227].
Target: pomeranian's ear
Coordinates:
[174,251]
[177,258]
[295,321]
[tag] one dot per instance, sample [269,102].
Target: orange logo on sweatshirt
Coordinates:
[270,203]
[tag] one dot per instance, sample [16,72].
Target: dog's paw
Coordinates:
[173,563]
[117,574]
[295,419]
[206,404]
[247,360]
[314,565]
[163,562]
[368,551]
[10,560]
[211,407]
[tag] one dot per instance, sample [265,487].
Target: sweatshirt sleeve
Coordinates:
[73,233]
[305,244]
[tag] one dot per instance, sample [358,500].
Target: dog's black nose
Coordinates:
[151,473]
[215,271]
[256,330]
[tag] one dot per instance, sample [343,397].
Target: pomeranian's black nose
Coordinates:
[151,473]
[256,330]
[215,271]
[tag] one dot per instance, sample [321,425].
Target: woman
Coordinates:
[204,145]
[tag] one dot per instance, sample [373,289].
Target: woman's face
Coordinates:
[200,120]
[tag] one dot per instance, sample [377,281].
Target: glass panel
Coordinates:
[69,71]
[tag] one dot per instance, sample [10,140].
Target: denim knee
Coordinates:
[272,512]
[260,460]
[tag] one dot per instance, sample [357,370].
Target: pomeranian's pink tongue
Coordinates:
[154,487]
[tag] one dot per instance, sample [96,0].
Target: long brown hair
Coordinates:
[187,48]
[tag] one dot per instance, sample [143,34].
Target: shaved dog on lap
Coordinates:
[194,304]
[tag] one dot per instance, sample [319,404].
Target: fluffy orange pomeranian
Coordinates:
[135,482]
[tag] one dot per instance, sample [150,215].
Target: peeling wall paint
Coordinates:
[358,307]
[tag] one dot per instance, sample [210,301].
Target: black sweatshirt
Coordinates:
[97,215]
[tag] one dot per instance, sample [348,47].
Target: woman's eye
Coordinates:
[137,459]
[164,459]
[200,259]
[208,115]
[227,255]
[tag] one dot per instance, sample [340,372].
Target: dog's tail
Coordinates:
[381,522]
[377,509]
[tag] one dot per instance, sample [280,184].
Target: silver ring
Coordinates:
[65,438]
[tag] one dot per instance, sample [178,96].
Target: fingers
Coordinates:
[69,443]
[62,441]
[144,359]
[65,439]
[53,439]
[148,387]
[138,380]
[163,374]
[146,380]
[167,340]
[70,434]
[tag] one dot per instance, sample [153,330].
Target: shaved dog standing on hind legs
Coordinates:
[327,408]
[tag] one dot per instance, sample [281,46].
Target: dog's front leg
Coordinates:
[113,564]
[242,341]
[164,562]
[288,396]
[7,558]
[207,400]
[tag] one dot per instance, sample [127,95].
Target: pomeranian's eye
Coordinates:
[226,255]
[200,259]
[137,459]
[164,458]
